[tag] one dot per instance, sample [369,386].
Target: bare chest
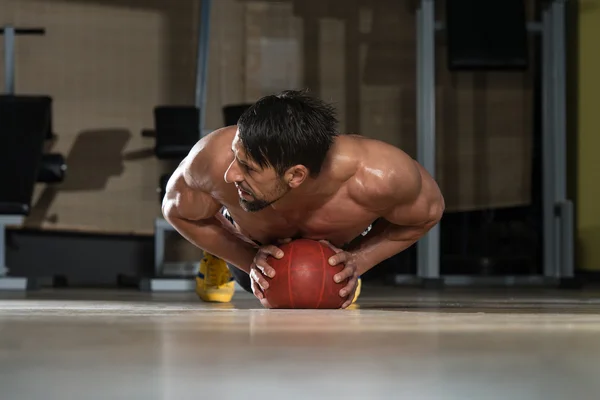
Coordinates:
[339,222]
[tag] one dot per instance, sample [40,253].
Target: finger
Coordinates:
[256,290]
[350,298]
[265,303]
[346,273]
[332,247]
[350,287]
[284,241]
[348,302]
[339,258]
[257,277]
[259,294]
[272,250]
[264,267]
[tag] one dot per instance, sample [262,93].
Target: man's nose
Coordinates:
[233,174]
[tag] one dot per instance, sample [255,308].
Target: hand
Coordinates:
[349,272]
[260,270]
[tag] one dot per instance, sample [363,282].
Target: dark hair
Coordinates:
[287,129]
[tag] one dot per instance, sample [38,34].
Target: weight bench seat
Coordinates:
[24,124]
[177,131]
[172,151]
[13,209]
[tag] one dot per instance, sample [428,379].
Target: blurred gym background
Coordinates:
[102,99]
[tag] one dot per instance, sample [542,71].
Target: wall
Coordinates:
[107,63]
[588,140]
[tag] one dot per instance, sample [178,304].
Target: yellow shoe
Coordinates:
[357,293]
[214,282]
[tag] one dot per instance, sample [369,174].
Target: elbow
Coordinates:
[171,201]
[436,211]
[440,208]
[168,209]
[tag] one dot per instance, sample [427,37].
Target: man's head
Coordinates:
[281,141]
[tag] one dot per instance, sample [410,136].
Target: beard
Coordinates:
[257,204]
[254,205]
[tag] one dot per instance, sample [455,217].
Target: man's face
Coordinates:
[257,187]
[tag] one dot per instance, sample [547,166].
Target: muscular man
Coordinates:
[285,172]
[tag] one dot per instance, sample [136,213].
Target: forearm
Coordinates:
[383,242]
[212,237]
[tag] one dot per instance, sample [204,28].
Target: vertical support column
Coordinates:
[10,282]
[3,268]
[548,133]
[159,245]
[557,209]
[6,220]
[9,60]
[558,97]
[428,248]
[202,62]
[564,218]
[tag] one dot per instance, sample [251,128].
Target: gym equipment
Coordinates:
[52,168]
[162,189]
[558,210]
[176,130]
[48,135]
[160,282]
[24,122]
[9,33]
[486,34]
[304,278]
[202,63]
[233,112]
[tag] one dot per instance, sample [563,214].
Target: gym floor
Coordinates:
[397,343]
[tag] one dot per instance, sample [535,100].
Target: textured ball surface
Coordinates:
[304,278]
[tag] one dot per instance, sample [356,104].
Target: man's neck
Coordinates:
[311,195]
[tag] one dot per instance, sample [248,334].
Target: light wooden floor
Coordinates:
[399,344]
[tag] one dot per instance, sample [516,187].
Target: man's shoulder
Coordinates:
[215,142]
[378,161]
[384,174]
[212,149]
[371,149]
[208,159]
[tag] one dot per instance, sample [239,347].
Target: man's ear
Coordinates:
[295,175]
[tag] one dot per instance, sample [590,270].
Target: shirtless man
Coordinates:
[285,172]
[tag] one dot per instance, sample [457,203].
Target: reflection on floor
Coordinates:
[397,344]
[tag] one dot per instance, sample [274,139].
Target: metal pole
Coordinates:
[548,133]
[564,217]
[202,62]
[159,246]
[3,268]
[428,248]
[9,59]
[10,33]
[558,98]
[6,220]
